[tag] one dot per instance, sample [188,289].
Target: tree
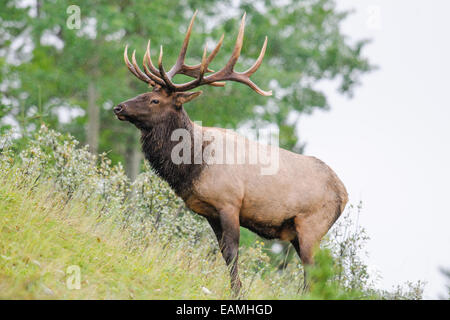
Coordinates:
[57,69]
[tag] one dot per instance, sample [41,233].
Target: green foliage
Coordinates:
[347,241]
[305,47]
[60,205]
[323,284]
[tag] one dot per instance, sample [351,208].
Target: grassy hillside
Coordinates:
[41,237]
[64,210]
[61,207]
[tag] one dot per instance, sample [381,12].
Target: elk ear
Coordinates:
[184,97]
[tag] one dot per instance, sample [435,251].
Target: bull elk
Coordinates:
[298,203]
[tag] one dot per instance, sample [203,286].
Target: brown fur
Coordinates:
[298,204]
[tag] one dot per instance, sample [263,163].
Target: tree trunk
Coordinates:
[93,126]
[133,158]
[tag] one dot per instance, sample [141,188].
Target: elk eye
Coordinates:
[154,101]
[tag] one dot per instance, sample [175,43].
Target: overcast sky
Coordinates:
[390,142]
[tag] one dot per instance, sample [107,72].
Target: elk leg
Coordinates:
[306,257]
[226,229]
[305,252]
[216,227]
[310,230]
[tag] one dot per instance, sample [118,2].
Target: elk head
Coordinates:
[167,98]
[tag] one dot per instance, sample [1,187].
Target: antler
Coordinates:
[193,71]
[160,77]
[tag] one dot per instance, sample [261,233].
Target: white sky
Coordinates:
[390,143]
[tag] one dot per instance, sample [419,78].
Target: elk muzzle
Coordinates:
[120,111]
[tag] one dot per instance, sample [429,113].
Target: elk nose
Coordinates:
[118,108]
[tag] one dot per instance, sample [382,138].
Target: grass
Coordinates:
[41,237]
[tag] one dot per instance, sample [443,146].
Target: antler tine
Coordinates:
[211,57]
[206,61]
[178,66]
[203,67]
[258,61]
[127,62]
[192,71]
[246,74]
[149,63]
[237,48]
[164,76]
[242,78]
[235,55]
[216,49]
[133,69]
[139,71]
[151,75]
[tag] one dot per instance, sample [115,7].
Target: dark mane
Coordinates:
[157,147]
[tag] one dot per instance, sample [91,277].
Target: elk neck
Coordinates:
[157,147]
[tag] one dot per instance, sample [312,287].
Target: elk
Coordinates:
[298,203]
